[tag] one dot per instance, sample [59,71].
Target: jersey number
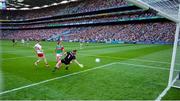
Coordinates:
[69,56]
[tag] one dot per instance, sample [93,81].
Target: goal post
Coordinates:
[174,75]
[175,64]
[176,72]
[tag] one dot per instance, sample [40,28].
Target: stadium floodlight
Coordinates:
[169,9]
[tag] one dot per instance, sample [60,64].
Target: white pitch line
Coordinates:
[166,90]
[72,74]
[151,67]
[176,87]
[34,84]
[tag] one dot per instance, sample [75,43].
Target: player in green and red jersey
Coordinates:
[59,51]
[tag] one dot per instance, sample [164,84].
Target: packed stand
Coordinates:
[144,32]
[74,7]
[97,19]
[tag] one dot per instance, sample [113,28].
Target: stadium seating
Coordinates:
[135,33]
[77,7]
[145,32]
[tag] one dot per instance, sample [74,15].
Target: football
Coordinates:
[97,60]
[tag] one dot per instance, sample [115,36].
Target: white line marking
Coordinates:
[166,90]
[151,67]
[34,84]
[176,87]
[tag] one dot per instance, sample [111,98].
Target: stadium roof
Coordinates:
[34,4]
[167,8]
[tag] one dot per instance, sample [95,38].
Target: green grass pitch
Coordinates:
[126,72]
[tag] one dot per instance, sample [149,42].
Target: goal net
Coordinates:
[169,9]
[166,8]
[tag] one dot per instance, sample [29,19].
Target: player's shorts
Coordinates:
[59,55]
[40,55]
[65,62]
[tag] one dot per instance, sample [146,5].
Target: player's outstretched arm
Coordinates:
[80,65]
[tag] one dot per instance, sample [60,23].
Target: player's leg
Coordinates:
[81,46]
[37,62]
[57,58]
[13,44]
[40,57]
[58,65]
[45,61]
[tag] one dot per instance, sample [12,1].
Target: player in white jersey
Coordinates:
[40,54]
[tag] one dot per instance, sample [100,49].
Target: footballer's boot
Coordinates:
[67,67]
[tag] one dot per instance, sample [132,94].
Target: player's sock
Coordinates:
[38,61]
[35,63]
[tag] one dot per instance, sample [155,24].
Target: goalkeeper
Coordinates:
[70,56]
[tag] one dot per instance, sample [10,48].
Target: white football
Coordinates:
[97,60]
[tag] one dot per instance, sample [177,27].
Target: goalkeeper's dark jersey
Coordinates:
[69,57]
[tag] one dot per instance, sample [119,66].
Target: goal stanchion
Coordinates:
[173,75]
[175,67]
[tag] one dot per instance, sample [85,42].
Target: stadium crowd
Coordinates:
[150,32]
[141,32]
[74,7]
[96,19]
[144,32]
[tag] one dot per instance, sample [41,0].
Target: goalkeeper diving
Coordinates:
[70,57]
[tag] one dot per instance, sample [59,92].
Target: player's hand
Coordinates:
[81,65]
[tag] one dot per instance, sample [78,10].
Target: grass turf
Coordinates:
[134,72]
